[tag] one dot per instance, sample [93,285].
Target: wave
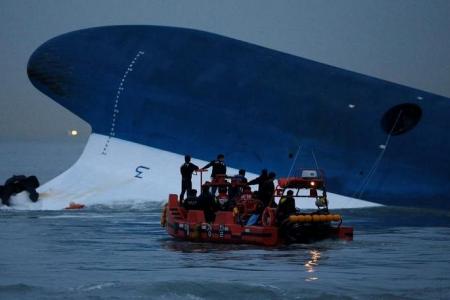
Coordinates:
[203,289]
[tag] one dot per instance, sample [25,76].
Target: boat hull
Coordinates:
[191,226]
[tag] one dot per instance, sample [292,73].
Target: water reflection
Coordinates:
[300,260]
[192,247]
[311,265]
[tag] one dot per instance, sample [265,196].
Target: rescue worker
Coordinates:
[246,194]
[218,168]
[186,171]
[260,179]
[208,203]
[267,189]
[237,181]
[223,201]
[286,207]
[192,201]
[243,199]
[248,206]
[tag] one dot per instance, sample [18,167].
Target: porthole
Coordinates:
[401,118]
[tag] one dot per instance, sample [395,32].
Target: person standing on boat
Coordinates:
[260,179]
[186,171]
[267,190]
[208,203]
[237,182]
[286,207]
[218,168]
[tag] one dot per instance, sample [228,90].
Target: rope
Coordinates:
[377,161]
[295,160]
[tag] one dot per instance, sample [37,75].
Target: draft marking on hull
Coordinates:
[120,89]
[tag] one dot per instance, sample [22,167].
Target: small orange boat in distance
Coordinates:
[73,205]
[230,226]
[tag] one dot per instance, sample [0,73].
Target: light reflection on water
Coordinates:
[311,264]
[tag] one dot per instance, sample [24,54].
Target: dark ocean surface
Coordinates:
[121,252]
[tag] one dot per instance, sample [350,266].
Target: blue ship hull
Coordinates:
[188,91]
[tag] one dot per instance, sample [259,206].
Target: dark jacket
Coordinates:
[238,179]
[218,167]
[208,202]
[259,181]
[236,184]
[266,191]
[187,169]
[192,202]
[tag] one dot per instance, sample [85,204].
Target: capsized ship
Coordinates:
[152,94]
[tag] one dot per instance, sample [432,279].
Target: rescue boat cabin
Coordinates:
[309,184]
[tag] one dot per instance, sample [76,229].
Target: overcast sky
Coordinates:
[406,42]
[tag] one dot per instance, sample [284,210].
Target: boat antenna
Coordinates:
[377,161]
[315,160]
[295,160]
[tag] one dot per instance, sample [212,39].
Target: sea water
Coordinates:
[121,252]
